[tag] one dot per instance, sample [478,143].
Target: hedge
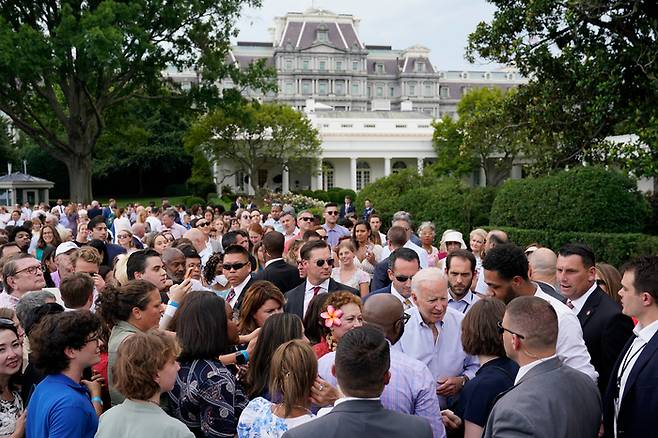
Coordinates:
[613,248]
[586,199]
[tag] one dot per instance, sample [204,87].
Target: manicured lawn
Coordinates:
[122,202]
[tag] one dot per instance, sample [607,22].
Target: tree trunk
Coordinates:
[79,168]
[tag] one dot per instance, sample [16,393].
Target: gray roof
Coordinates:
[21,177]
[309,36]
[372,115]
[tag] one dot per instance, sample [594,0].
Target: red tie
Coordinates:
[230,296]
[570,304]
[316,290]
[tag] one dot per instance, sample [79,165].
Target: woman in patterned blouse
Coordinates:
[206,396]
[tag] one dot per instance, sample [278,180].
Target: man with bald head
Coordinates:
[412,389]
[495,237]
[542,264]
[431,319]
[200,244]
[543,384]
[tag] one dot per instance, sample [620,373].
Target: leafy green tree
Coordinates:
[593,70]
[253,135]
[485,136]
[65,64]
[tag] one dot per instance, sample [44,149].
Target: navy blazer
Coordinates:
[639,403]
[281,274]
[605,332]
[348,210]
[295,297]
[380,277]
[383,290]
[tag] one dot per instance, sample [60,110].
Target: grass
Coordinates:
[122,202]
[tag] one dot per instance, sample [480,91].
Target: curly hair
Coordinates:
[57,332]
[139,359]
[209,271]
[338,300]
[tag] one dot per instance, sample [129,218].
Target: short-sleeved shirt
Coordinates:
[479,393]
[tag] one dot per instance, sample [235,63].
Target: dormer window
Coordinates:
[323,34]
[420,67]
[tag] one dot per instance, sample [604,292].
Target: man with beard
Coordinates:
[412,389]
[174,264]
[506,274]
[461,272]
[22,236]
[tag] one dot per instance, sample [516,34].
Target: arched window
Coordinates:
[362,174]
[327,175]
[398,166]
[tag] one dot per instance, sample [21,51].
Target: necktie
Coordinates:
[570,304]
[316,290]
[407,303]
[230,296]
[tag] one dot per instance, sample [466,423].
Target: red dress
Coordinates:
[321,348]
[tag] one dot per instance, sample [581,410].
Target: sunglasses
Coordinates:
[320,262]
[335,213]
[234,266]
[404,318]
[403,278]
[306,219]
[9,322]
[502,330]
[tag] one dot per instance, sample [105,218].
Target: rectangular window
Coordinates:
[339,65]
[412,90]
[355,65]
[380,69]
[420,67]
[444,92]
[391,92]
[323,65]
[340,88]
[288,88]
[323,36]
[306,64]
[306,87]
[355,89]
[380,91]
[288,65]
[428,90]
[322,87]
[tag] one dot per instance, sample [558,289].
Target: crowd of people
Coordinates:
[171,321]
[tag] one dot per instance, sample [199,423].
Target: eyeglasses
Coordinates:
[335,213]
[502,330]
[324,237]
[6,321]
[123,236]
[245,216]
[306,219]
[234,266]
[202,224]
[320,262]
[404,318]
[30,270]
[403,278]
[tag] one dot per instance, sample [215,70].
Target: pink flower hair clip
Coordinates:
[332,317]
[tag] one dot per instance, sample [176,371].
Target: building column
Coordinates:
[353,174]
[316,177]
[285,180]
[387,166]
[420,165]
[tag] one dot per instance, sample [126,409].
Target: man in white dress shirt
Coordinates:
[506,274]
[405,223]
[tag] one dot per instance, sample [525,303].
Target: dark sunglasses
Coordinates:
[320,262]
[502,330]
[9,322]
[203,224]
[234,266]
[403,278]
[306,219]
[404,318]
[335,213]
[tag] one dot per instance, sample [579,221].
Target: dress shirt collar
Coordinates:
[268,263]
[525,368]
[346,399]
[469,298]
[579,302]
[324,286]
[239,287]
[399,296]
[415,313]
[646,333]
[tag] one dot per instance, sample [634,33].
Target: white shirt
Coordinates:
[525,368]
[206,253]
[269,262]
[579,302]
[402,299]
[422,254]
[154,222]
[238,290]
[463,305]
[308,295]
[571,347]
[644,335]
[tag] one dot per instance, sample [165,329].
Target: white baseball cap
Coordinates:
[65,247]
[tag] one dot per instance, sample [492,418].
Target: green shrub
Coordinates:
[587,199]
[347,192]
[613,248]
[385,192]
[321,195]
[191,200]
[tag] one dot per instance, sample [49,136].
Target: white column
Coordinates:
[387,166]
[420,165]
[285,180]
[353,173]
[317,177]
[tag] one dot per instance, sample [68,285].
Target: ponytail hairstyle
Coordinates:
[292,373]
[116,304]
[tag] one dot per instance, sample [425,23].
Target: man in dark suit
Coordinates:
[403,265]
[543,384]
[318,261]
[632,396]
[237,270]
[362,370]
[236,204]
[277,271]
[347,207]
[605,328]
[542,263]
[396,237]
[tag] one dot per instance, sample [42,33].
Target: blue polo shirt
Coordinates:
[60,407]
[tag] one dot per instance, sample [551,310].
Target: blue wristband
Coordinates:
[245,353]
[173,304]
[97,399]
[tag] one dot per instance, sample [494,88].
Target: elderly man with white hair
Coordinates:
[403,219]
[433,335]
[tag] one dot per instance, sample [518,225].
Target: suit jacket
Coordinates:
[605,331]
[362,418]
[350,209]
[238,303]
[282,275]
[380,277]
[550,290]
[569,405]
[383,290]
[639,402]
[295,297]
